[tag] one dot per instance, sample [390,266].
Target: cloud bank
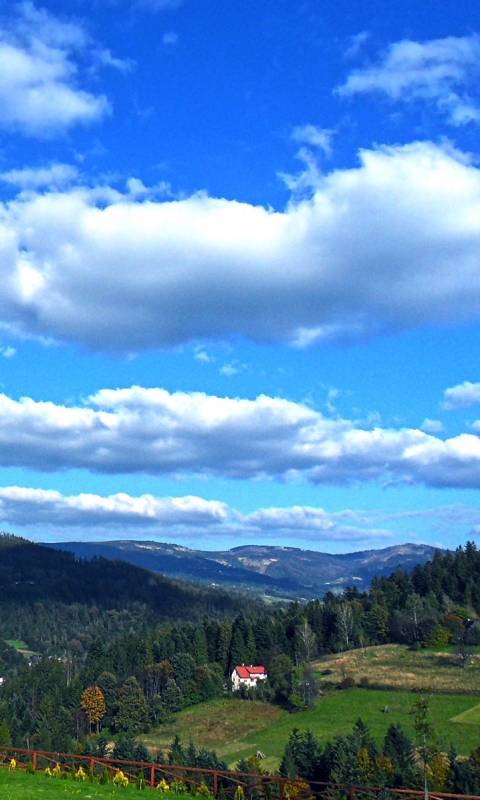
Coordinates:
[121,515]
[435,72]
[390,245]
[155,432]
[49,514]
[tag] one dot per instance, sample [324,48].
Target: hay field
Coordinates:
[394,666]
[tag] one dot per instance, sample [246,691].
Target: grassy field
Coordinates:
[17,644]
[236,728]
[21,786]
[396,667]
[21,647]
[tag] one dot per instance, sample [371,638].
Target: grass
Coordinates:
[21,647]
[220,725]
[469,717]
[396,667]
[20,786]
[236,728]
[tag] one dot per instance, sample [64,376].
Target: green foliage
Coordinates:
[132,714]
[140,782]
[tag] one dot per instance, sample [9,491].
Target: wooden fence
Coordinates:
[219,782]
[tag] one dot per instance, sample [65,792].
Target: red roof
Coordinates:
[250,672]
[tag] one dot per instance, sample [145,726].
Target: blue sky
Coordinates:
[240,271]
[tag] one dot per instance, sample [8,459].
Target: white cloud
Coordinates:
[436,72]
[157,432]
[393,244]
[170,38]
[432,426]
[38,74]
[143,517]
[356,43]
[22,506]
[462,396]
[315,137]
[201,355]
[233,368]
[56,176]
[8,352]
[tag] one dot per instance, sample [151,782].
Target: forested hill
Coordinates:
[278,571]
[32,573]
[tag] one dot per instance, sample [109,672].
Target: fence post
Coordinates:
[152,777]
[34,760]
[282,787]
[92,765]
[215,784]
[351,792]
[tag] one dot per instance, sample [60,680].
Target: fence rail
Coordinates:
[224,782]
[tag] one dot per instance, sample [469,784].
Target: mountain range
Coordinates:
[286,572]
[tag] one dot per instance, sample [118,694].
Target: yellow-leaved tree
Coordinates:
[93,703]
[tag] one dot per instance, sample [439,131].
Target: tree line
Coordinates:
[141,670]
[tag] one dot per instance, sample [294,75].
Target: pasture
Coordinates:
[237,728]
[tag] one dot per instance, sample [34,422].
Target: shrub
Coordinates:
[104,777]
[140,783]
[162,786]
[347,683]
[120,779]
[239,793]
[178,787]
[297,789]
[203,790]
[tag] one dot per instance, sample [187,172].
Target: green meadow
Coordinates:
[19,785]
[389,676]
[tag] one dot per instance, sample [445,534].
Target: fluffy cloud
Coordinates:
[38,74]
[145,516]
[436,72]
[392,244]
[462,396]
[23,506]
[157,432]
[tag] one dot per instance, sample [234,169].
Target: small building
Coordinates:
[247,676]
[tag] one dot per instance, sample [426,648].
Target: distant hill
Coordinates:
[277,571]
[32,573]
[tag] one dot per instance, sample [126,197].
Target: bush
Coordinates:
[140,783]
[347,683]
[104,777]
[120,779]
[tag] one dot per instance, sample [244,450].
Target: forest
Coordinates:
[116,663]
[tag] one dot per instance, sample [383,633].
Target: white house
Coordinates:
[247,676]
